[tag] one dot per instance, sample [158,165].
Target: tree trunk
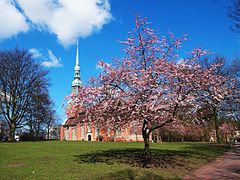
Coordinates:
[226,139]
[11,137]
[114,134]
[48,132]
[31,131]
[145,134]
[147,146]
[216,125]
[37,135]
[31,134]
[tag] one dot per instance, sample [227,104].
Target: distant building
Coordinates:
[54,132]
[74,127]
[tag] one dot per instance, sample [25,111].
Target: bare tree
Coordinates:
[51,119]
[38,112]
[20,76]
[234,14]
[233,104]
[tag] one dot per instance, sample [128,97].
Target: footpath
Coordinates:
[226,166]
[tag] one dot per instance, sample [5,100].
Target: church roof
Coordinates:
[73,121]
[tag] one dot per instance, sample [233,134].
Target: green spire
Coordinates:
[77,79]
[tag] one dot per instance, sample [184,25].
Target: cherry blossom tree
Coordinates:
[149,87]
[192,131]
[220,96]
[227,130]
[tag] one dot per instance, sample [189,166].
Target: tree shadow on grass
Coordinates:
[134,157]
[184,159]
[207,151]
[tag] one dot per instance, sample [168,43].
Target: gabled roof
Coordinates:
[73,121]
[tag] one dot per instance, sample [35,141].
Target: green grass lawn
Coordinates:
[102,160]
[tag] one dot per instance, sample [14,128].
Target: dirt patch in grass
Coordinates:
[134,174]
[15,164]
[46,159]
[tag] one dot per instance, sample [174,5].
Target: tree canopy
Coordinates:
[23,89]
[154,85]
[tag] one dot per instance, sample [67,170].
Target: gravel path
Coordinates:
[225,167]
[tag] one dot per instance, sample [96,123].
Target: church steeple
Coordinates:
[76,84]
[77,58]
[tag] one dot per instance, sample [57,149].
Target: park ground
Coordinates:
[103,160]
[226,166]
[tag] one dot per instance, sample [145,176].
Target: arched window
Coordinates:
[97,132]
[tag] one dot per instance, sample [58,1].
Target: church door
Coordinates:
[89,137]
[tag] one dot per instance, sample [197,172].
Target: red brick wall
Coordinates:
[124,136]
[62,133]
[78,133]
[70,133]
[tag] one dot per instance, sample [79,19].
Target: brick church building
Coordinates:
[74,127]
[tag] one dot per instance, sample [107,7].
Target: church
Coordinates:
[74,127]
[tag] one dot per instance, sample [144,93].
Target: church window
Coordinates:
[89,128]
[97,132]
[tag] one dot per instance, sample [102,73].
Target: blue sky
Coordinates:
[51,32]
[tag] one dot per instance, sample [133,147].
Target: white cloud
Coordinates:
[11,20]
[53,60]
[35,53]
[67,19]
